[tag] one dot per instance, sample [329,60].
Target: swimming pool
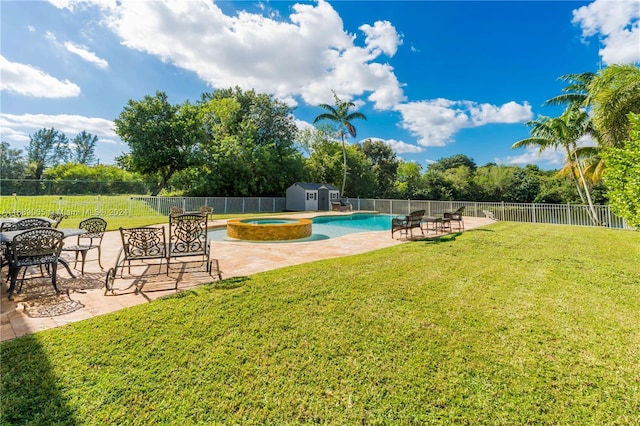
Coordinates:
[325,227]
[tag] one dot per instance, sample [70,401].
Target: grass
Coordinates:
[508,324]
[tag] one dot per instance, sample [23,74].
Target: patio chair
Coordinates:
[406,224]
[174,211]
[35,247]
[95,228]
[188,237]
[27,223]
[57,217]
[455,216]
[205,210]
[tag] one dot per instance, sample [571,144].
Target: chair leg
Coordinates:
[84,258]
[99,256]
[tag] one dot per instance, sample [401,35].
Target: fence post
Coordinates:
[533,213]
[569,213]
[502,205]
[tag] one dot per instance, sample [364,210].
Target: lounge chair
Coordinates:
[340,206]
[406,224]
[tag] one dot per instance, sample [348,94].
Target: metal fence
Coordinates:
[135,206]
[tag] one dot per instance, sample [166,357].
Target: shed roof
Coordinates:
[315,186]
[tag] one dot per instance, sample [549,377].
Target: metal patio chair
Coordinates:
[34,247]
[95,228]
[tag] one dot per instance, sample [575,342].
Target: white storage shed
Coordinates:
[302,196]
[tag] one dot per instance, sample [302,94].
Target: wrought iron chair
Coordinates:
[26,223]
[206,210]
[57,217]
[139,245]
[95,228]
[34,247]
[20,225]
[188,237]
[174,211]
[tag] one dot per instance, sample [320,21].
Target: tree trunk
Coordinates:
[344,166]
[574,178]
[592,210]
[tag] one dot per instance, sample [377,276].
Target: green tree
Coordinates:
[324,163]
[341,115]
[622,175]
[248,148]
[161,136]
[409,182]
[85,148]
[493,181]
[384,165]
[47,147]
[613,94]
[453,162]
[13,169]
[563,131]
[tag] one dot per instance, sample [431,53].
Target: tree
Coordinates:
[614,93]
[12,169]
[248,146]
[453,162]
[341,115]
[622,175]
[409,183]
[384,165]
[563,131]
[13,164]
[47,147]
[161,136]
[85,146]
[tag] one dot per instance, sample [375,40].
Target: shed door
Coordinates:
[323,199]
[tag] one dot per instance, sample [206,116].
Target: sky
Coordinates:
[433,78]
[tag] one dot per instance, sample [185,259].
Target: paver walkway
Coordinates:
[28,312]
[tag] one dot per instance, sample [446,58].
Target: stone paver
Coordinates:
[235,258]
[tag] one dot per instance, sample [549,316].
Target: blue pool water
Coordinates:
[325,227]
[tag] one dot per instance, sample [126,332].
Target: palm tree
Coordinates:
[548,132]
[576,93]
[341,115]
[614,93]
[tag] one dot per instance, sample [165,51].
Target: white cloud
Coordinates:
[85,54]
[618,23]
[532,155]
[17,128]
[434,122]
[306,55]
[382,35]
[400,147]
[29,81]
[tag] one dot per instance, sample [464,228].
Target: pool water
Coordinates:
[325,227]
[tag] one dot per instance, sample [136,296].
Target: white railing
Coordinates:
[135,206]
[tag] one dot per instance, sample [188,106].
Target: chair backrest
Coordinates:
[28,223]
[456,215]
[57,217]
[143,243]
[37,243]
[205,210]
[188,234]
[174,211]
[95,227]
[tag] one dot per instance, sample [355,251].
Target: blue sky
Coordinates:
[434,79]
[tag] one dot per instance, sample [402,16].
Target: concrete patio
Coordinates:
[39,308]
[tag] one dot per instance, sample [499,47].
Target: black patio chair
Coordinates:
[95,228]
[34,247]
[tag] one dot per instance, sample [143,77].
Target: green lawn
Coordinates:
[509,324]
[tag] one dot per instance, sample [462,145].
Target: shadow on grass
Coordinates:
[30,394]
